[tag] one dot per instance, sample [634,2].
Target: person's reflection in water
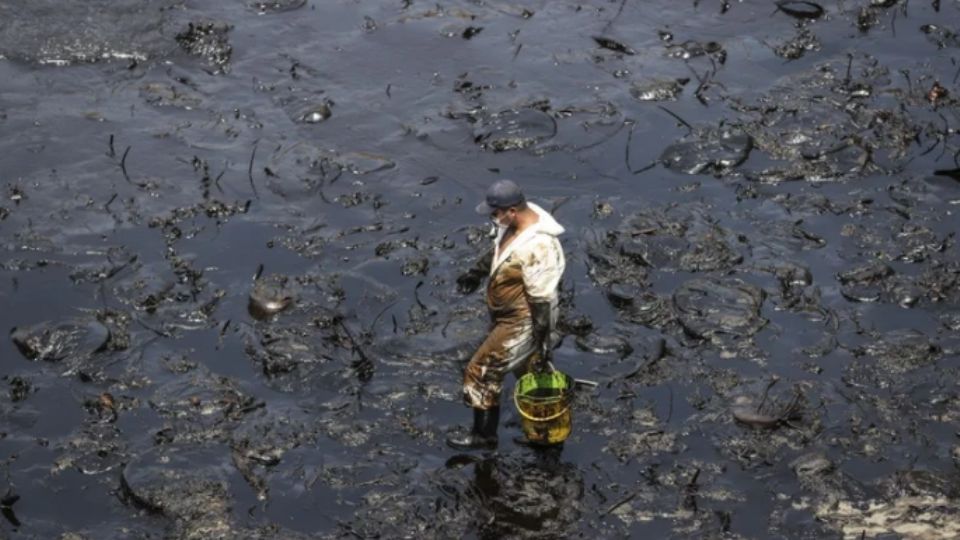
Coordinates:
[534,496]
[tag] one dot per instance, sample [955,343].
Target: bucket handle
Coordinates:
[516,402]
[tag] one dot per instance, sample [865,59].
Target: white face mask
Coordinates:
[498,228]
[495,228]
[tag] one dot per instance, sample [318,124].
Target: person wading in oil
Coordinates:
[524,266]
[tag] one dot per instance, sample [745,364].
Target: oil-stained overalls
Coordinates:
[527,271]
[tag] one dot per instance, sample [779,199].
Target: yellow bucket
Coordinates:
[543,401]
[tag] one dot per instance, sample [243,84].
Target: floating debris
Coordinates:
[801,9]
[768,413]
[799,45]
[316,114]
[167,481]
[514,129]
[598,344]
[262,441]
[901,351]
[56,341]
[721,311]
[937,93]
[940,36]
[665,90]
[275,6]
[111,31]
[199,407]
[209,41]
[270,295]
[361,163]
[471,31]
[20,389]
[613,45]
[712,152]
[693,49]
[168,95]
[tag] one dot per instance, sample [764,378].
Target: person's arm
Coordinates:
[543,325]
[542,268]
[470,280]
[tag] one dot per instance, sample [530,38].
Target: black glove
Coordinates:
[470,280]
[542,328]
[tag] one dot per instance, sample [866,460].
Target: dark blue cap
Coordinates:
[502,194]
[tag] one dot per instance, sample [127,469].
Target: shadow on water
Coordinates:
[534,496]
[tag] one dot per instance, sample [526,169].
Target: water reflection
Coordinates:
[536,495]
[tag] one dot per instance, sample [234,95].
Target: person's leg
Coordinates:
[482,386]
[483,434]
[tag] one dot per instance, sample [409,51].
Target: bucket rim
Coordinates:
[565,397]
[526,377]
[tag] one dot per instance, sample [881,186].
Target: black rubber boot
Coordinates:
[483,436]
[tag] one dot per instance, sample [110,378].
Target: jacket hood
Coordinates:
[546,225]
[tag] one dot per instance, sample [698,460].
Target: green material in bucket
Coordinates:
[543,401]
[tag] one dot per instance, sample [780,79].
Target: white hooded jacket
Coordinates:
[540,254]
